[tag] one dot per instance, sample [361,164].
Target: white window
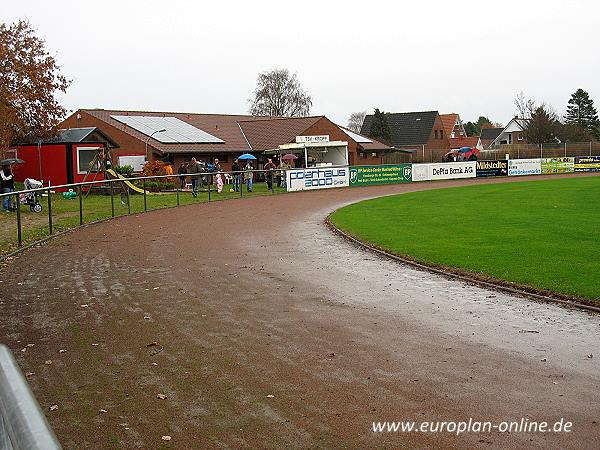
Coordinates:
[85,157]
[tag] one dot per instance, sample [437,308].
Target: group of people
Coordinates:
[200,172]
[7,185]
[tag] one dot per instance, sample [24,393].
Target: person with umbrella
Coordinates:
[7,182]
[285,165]
[268,168]
[248,174]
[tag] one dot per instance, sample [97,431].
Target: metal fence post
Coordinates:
[128,201]
[209,183]
[112,198]
[177,193]
[80,206]
[49,212]
[144,187]
[19,236]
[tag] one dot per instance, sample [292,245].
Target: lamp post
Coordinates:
[152,134]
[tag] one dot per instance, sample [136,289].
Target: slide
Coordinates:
[132,186]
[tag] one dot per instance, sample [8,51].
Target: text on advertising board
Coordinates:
[388,174]
[317,178]
[312,139]
[518,167]
[496,168]
[587,164]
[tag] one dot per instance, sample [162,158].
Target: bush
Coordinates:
[153,168]
[126,170]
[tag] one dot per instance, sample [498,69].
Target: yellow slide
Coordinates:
[135,188]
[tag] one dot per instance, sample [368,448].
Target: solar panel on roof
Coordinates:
[356,137]
[176,131]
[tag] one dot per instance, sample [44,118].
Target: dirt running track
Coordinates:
[257,298]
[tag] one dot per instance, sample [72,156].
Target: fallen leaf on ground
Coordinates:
[62,351]
[166,438]
[53,407]
[29,374]
[270,396]
[102,410]
[48,361]
[161,396]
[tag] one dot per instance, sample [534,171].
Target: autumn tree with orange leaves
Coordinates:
[30,78]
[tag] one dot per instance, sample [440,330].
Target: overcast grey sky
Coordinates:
[470,57]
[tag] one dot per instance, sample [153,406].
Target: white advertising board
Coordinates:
[420,172]
[317,178]
[524,167]
[444,171]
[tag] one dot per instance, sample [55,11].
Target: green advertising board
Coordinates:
[558,165]
[390,174]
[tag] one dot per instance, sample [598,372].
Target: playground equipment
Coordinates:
[125,181]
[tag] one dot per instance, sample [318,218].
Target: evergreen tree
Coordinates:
[471,129]
[380,128]
[543,126]
[581,112]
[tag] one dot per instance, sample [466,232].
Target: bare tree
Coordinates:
[356,120]
[29,80]
[279,94]
[525,107]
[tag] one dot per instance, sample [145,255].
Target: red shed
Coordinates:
[65,159]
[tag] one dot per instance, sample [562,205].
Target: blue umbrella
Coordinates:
[246,156]
[464,149]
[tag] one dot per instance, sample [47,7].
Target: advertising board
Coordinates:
[388,174]
[317,178]
[518,167]
[497,168]
[587,164]
[558,165]
[444,171]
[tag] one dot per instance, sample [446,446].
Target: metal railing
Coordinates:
[22,423]
[125,186]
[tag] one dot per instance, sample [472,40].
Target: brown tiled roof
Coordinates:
[448,122]
[268,134]
[464,142]
[222,126]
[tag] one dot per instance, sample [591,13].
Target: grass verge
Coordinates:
[541,234]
